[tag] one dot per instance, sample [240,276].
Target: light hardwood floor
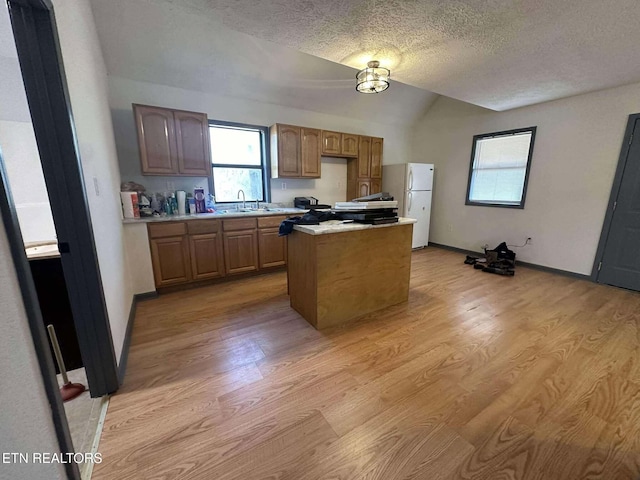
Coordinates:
[478,376]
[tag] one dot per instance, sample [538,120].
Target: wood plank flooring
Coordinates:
[478,376]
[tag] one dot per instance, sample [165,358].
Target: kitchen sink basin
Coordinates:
[255,210]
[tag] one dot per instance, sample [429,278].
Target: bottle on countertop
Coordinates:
[168,204]
[201,204]
[181,202]
[174,204]
[155,204]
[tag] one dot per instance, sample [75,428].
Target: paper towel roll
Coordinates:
[182,197]
[130,204]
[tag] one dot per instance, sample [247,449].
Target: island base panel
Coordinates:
[335,278]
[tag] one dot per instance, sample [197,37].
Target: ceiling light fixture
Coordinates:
[373,79]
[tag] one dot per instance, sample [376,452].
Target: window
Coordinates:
[499,169]
[238,162]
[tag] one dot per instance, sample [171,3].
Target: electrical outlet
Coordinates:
[284,186]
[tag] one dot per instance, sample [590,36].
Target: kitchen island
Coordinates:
[340,271]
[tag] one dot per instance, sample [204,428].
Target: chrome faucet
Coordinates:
[244,203]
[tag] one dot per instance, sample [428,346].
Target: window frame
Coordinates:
[504,133]
[264,151]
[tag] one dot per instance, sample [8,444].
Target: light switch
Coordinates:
[96,186]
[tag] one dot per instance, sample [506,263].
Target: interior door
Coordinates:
[621,260]
[418,205]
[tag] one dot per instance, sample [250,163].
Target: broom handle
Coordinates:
[58,353]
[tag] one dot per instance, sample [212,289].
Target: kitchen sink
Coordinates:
[256,210]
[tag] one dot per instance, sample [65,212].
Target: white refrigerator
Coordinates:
[411,185]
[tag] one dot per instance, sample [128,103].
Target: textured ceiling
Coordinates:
[165,44]
[499,54]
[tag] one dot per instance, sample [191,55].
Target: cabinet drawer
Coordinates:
[271,222]
[203,226]
[157,230]
[239,224]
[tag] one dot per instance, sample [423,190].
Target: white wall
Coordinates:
[331,187]
[22,160]
[576,151]
[25,414]
[18,146]
[87,81]
[139,253]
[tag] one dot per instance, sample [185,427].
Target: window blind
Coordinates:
[499,169]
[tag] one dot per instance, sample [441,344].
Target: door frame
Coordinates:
[613,197]
[40,58]
[34,318]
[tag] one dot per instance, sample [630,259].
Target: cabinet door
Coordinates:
[311,149]
[364,188]
[375,186]
[364,154]
[170,258]
[156,139]
[288,151]
[207,259]
[272,248]
[376,158]
[331,143]
[192,137]
[349,145]
[241,251]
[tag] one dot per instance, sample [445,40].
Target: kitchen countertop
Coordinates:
[337,226]
[40,251]
[218,214]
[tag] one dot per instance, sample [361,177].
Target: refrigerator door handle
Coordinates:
[410,178]
[409,202]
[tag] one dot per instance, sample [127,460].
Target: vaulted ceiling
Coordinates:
[499,54]
[169,45]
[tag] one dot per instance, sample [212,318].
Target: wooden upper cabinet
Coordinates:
[311,149]
[172,142]
[156,139]
[331,143]
[364,154]
[376,158]
[339,144]
[289,164]
[295,151]
[194,149]
[349,144]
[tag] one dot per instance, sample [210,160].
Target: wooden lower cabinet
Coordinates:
[241,251]
[207,260]
[170,258]
[272,248]
[200,250]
